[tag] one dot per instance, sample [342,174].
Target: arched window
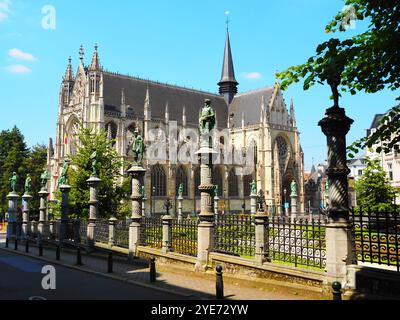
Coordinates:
[247,180]
[112,129]
[233,184]
[197,182]
[181,178]
[158,181]
[217,174]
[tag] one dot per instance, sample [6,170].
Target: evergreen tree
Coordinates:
[373,190]
[111,191]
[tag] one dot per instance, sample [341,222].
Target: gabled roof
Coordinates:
[159,95]
[249,103]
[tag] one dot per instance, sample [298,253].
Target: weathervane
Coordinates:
[81,52]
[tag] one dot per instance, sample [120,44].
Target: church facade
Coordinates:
[256,137]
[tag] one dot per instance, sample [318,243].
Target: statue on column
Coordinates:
[253,186]
[138,148]
[44,177]
[93,157]
[143,192]
[326,188]
[293,188]
[28,184]
[207,120]
[63,177]
[216,191]
[180,190]
[13,182]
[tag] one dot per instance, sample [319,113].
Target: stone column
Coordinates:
[12,198]
[253,204]
[180,208]
[206,216]
[25,215]
[137,173]
[144,207]
[93,183]
[339,239]
[111,231]
[293,204]
[262,243]
[216,199]
[65,189]
[167,234]
[43,194]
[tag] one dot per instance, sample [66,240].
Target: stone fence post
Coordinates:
[43,194]
[25,215]
[111,231]
[180,208]
[262,242]
[167,233]
[93,183]
[13,198]
[65,189]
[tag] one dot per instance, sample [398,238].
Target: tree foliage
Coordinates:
[111,193]
[369,61]
[373,190]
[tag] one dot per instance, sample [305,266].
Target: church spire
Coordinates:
[69,74]
[95,60]
[228,83]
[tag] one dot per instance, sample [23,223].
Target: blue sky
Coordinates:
[176,41]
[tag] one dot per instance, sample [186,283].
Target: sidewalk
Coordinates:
[190,284]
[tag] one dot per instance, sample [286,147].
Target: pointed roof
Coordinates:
[228,72]
[95,60]
[69,74]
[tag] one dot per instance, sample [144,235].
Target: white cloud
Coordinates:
[18,69]
[20,55]
[252,75]
[4,9]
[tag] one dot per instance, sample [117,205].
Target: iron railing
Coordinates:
[184,236]
[102,231]
[298,242]
[376,237]
[151,232]
[121,230]
[235,235]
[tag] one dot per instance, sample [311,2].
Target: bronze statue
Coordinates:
[327,188]
[207,120]
[93,157]
[138,148]
[63,177]
[180,190]
[253,186]
[13,181]
[28,184]
[293,188]
[44,177]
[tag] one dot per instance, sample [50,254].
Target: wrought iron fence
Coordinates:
[101,231]
[377,237]
[184,236]
[235,235]
[151,232]
[121,230]
[301,242]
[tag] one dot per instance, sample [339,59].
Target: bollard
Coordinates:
[337,292]
[7,242]
[27,246]
[219,284]
[110,263]
[78,257]
[16,244]
[153,270]
[58,252]
[40,249]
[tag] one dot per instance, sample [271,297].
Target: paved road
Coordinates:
[21,279]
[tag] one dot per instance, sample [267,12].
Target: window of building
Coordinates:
[218,180]
[197,182]
[390,171]
[247,180]
[158,181]
[233,184]
[360,172]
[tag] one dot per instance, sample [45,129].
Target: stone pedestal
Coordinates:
[216,199]
[25,215]
[93,183]
[293,205]
[167,234]
[144,207]
[180,208]
[43,194]
[65,189]
[111,231]
[262,244]
[137,173]
[12,198]
[206,216]
[253,204]
[339,240]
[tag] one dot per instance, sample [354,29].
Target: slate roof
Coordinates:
[249,103]
[160,94]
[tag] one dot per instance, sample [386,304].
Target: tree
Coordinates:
[373,190]
[111,191]
[369,61]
